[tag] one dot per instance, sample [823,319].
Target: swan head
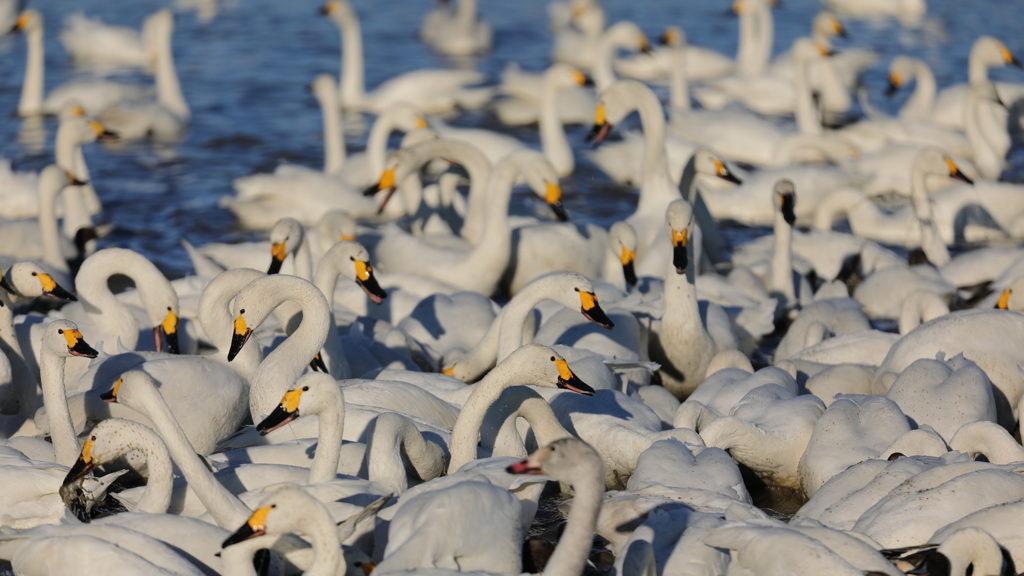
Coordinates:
[353,262]
[564,460]
[338,225]
[784,199]
[324,88]
[993,53]
[89,131]
[679,218]
[31,281]
[285,238]
[306,396]
[72,109]
[628,36]
[707,163]
[969,546]
[63,338]
[825,26]
[806,50]
[617,101]
[417,149]
[542,178]
[564,76]
[339,11]
[1013,297]
[901,69]
[288,509]
[931,161]
[622,242]
[673,37]
[28,21]
[537,365]
[110,439]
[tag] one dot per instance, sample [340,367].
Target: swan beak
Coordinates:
[317,364]
[680,259]
[894,85]
[531,464]
[328,8]
[955,173]
[569,381]
[82,466]
[553,196]
[5,284]
[592,310]
[449,371]
[387,180]
[285,412]
[838,30]
[239,338]
[52,289]
[366,567]
[102,134]
[77,345]
[788,202]
[278,252]
[368,282]
[111,395]
[723,172]
[645,45]
[582,79]
[253,527]
[21,23]
[1008,57]
[169,329]
[628,270]
[601,127]
[1004,300]
[73,181]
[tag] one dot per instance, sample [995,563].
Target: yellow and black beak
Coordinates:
[285,412]
[569,381]
[102,134]
[317,364]
[628,258]
[387,182]
[839,30]
[955,173]
[83,465]
[645,45]
[1004,300]
[52,289]
[167,329]
[601,126]
[895,82]
[255,526]
[278,252]
[788,203]
[368,282]
[723,172]
[592,310]
[1010,58]
[20,24]
[680,258]
[239,337]
[77,345]
[111,395]
[553,196]
[328,8]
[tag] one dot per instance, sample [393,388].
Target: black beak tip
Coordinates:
[629,271]
[576,385]
[559,211]
[891,90]
[1015,62]
[275,266]
[172,343]
[588,81]
[371,190]
[597,316]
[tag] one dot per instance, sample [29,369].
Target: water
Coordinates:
[244,74]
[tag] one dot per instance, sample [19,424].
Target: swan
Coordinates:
[481,267]
[684,342]
[986,539]
[41,239]
[907,11]
[849,64]
[986,52]
[985,130]
[719,392]
[505,334]
[961,392]
[966,549]
[671,468]
[92,43]
[580,23]
[456,31]
[431,90]
[904,69]
[20,192]
[287,237]
[95,96]
[135,554]
[167,117]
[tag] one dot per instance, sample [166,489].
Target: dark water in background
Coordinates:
[244,74]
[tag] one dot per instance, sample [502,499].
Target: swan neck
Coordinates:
[29,398]
[323,536]
[603,73]
[49,231]
[168,88]
[807,119]
[679,87]
[353,87]
[577,539]
[782,260]
[331,419]
[466,432]
[377,143]
[479,170]
[304,260]
[156,499]
[515,315]
[334,141]
[652,119]
[31,101]
[922,101]
[553,141]
[62,429]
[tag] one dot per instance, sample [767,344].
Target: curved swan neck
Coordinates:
[31,101]
[217,321]
[500,421]
[62,429]
[160,483]
[225,508]
[334,141]
[393,435]
[553,141]
[377,142]
[352,86]
[577,539]
[782,260]
[168,88]
[519,311]
[479,170]
[103,307]
[934,248]
[922,101]
[331,420]
[972,546]
[652,119]
[996,444]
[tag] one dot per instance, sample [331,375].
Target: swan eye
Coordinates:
[242,311]
[552,358]
[168,308]
[305,388]
[60,331]
[33,273]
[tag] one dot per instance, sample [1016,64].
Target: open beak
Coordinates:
[368,282]
[569,381]
[167,329]
[592,310]
[239,337]
[680,258]
[317,364]
[285,412]
[598,133]
[788,205]
[524,467]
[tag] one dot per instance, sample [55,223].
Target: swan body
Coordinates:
[456,31]
[91,42]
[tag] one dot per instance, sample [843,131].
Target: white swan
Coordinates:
[456,31]
[94,95]
[683,342]
[907,11]
[957,382]
[167,117]
[481,267]
[431,90]
[986,52]
[91,42]
[287,237]
[904,69]
[41,239]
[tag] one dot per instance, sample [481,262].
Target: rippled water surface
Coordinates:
[245,71]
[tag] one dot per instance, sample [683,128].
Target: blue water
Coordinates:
[244,74]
